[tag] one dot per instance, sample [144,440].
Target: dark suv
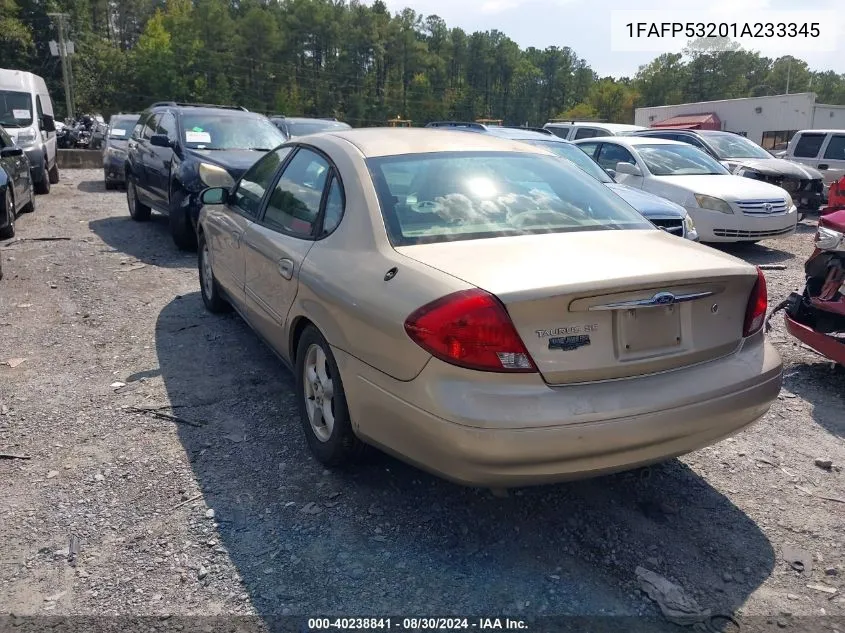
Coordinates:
[178,149]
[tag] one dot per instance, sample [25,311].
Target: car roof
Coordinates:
[384,141]
[517,134]
[828,131]
[613,127]
[630,140]
[305,119]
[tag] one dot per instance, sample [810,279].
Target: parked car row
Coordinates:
[17,191]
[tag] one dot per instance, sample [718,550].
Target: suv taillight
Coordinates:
[758,302]
[470,329]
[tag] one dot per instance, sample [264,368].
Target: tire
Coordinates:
[43,186]
[333,442]
[53,174]
[9,231]
[138,211]
[110,186]
[181,229]
[212,296]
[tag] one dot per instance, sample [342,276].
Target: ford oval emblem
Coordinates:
[663,299]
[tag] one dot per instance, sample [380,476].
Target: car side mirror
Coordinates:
[9,152]
[214,195]
[48,123]
[160,140]
[628,169]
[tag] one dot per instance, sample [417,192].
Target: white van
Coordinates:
[26,113]
[576,130]
[822,149]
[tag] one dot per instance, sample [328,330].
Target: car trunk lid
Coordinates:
[606,304]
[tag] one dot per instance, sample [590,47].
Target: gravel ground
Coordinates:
[219,509]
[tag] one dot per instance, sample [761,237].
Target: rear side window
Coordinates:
[562,132]
[808,145]
[334,207]
[588,132]
[836,148]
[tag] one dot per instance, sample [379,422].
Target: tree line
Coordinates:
[359,63]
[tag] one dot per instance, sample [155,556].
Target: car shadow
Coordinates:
[92,186]
[756,254]
[148,242]
[822,385]
[306,540]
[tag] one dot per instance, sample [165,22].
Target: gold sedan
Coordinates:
[483,310]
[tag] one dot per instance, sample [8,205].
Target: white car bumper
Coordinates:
[713,226]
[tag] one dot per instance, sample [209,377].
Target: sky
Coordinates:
[586,26]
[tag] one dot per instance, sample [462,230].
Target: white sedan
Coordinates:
[725,208]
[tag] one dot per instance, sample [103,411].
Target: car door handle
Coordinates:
[824,166]
[236,238]
[286,268]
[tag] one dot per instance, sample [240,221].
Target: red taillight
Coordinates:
[758,303]
[471,329]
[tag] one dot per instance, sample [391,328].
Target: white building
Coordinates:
[765,120]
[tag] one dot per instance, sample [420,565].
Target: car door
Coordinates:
[225,225]
[143,159]
[806,148]
[158,167]
[832,161]
[278,243]
[17,170]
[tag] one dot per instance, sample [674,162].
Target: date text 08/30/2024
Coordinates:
[415,624]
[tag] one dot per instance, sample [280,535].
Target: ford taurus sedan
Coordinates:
[478,308]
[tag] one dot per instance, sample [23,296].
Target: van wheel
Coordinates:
[42,187]
[322,403]
[53,174]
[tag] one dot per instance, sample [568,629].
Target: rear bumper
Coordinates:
[713,226]
[536,434]
[825,345]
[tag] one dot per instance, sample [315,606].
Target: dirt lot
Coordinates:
[114,303]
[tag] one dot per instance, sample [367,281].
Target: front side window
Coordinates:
[229,130]
[294,205]
[808,145]
[15,108]
[167,126]
[835,148]
[679,160]
[250,190]
[150,126]
[448,196]
[562,132]
[611,154]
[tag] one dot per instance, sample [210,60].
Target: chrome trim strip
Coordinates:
[659,300]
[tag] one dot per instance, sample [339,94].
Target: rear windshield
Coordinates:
[122,128]
[229,131]
[574,155]
[447,196]
[15,108]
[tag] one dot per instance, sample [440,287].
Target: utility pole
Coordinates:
[788,72]
[66,69]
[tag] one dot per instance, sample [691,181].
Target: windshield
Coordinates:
[301,128]
[574,155]
[735,146]
[678,160]
[15,109]
[121,128]
[448,196]
[227,131]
